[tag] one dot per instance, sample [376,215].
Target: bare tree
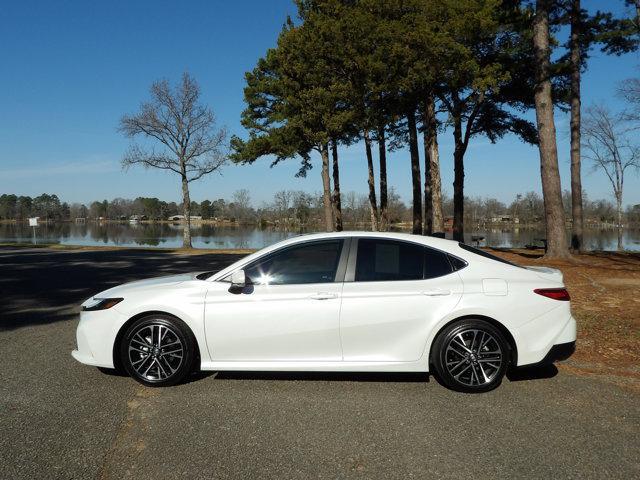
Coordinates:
[607,141]
[281,205]
[181,136]
[241,204]
[551,189]
[629,90]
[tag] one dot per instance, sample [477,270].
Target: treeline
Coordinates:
[392,74]
[292,208]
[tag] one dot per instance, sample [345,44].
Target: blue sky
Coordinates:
[70,69]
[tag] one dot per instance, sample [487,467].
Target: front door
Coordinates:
[289,310]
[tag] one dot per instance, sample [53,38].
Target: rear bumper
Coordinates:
[559,352]
[546,339]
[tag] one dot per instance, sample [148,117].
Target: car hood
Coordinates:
[157,282]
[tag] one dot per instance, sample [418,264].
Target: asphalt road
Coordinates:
[60,419]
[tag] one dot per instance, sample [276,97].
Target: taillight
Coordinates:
[554,293]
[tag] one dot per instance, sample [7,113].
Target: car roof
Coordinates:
[436,242]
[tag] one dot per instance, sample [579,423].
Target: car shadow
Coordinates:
[405,377]
[112,372]
[412,377]
[538,372]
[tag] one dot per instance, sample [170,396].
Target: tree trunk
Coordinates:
[337,204]
[458,193]
[373,204]
[326,186]
[433,161]
[186,211]
[576,180]
[416,179]
[428,194]
[382,153]
[619,208]
[551,188]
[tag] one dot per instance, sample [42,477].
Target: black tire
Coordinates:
[471,356]
[158,350]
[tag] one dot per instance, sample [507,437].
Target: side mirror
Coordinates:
[238,279]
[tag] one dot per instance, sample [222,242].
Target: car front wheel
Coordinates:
[471,356]
[158,350]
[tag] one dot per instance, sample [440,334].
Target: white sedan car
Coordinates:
[349,301]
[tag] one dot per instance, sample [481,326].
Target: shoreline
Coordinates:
[477,227]
[106,248]
[533,254]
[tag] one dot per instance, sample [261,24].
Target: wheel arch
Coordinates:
[123,328]
[513,347]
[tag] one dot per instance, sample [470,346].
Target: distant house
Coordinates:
[504,219]
[448,223]
[137,218]
[180,218]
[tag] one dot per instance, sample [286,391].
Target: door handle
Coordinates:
[436,292]
[323,296]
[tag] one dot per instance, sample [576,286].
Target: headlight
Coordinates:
[100,304]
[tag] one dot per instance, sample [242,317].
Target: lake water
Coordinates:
[209,236]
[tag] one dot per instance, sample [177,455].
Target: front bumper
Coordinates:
[95,337]
[86,358]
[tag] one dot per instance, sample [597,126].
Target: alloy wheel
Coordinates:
[473,357]
[155,352]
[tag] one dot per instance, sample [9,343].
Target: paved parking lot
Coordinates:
[60,419]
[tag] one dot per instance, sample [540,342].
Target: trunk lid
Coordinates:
[547,273]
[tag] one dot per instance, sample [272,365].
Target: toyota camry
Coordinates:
[349,301]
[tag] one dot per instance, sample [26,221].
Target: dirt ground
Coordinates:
[605,300]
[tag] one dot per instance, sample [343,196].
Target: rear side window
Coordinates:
[485,254]
[389,260]
[456,263]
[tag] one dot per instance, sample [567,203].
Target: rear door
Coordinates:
[394,292]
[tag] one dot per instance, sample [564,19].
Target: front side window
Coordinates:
[389,260]
[313,262]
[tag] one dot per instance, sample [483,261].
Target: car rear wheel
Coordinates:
[158,350]
[471,356]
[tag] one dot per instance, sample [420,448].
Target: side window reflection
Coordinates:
[313,262]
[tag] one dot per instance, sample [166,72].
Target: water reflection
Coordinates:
[143,234]
[210,236]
